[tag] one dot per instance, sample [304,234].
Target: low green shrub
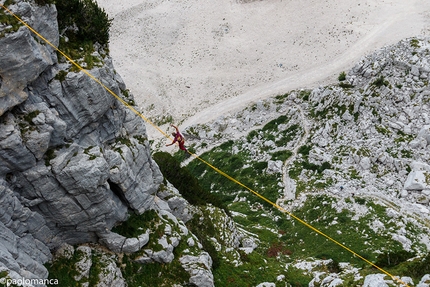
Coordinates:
[92,22]
[153,274]
[390,259]
[380,81]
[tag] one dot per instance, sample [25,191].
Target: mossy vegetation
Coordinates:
[136,224]
[148,274]
[128,97]
[304,94]
[64,269]
[11,23]
[61,75]
[87,151]
[184,181]
[49,155]
[153,274]
[331,111]
[202,226]
[26,123]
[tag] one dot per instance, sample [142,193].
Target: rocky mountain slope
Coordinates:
[75,163]
[344,147]
[83,202]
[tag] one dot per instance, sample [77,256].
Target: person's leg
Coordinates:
[187,154]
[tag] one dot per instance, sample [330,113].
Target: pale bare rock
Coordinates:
[195,60]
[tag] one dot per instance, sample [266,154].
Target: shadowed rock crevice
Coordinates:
[118,192]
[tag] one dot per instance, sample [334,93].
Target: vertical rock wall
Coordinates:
[73,160]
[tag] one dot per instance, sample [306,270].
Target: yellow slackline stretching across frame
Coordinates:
[197,157]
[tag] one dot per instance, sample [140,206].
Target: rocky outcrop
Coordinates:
[86,261]
[27,52]
[199,268]
[73,160]
[368,139]
[23,237]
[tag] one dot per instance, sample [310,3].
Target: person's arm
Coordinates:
[176,128]
[173,141]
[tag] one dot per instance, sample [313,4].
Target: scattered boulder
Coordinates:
[274,166]
[417,180]
[199,268]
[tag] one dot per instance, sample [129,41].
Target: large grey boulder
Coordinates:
[80,100]
[417,180]
[424,133]
[113,241]
[375,280]
[419,177]
[14,155]
[199,268]
[120,244]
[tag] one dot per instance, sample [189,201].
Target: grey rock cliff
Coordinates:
[73,160]
[21,49]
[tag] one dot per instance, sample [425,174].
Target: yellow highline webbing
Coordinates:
[205,162]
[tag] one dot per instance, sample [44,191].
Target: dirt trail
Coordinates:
[289,184]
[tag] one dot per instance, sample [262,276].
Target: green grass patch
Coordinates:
[64,269]
[239,166]
[273,125]
[319,212]
[186,183]
[304,94]
[136,224]
[282,155]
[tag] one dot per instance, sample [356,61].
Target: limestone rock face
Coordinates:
[73,159]
[21,49]
[23,237]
